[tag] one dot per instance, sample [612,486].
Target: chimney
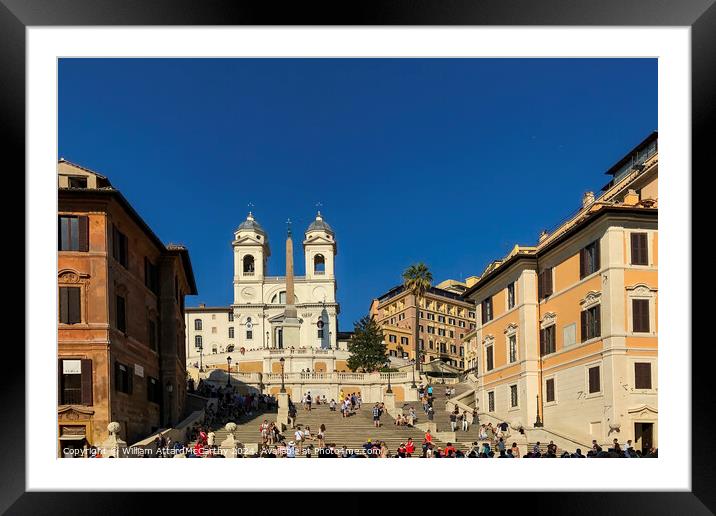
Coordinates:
[631,198]
[543,235]
[202,305]
[587,199]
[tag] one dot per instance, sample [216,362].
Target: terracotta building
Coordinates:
[567,330]
[121,291]
[445,318]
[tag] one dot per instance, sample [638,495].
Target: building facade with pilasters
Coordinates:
[567,332]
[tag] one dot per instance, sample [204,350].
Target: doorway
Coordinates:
[643,436]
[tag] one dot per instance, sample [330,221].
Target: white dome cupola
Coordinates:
[320,249]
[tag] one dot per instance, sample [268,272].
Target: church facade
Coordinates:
[273,312]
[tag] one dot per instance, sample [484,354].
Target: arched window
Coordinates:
[197,324]
[197,341]
[279,298]
[319,264]
[248,264]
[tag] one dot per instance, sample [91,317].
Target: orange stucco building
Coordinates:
[443,318]
[567,329]
[120,316]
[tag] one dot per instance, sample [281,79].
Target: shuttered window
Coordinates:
[591,323]
[511,296]
[544,283]
[490,358]
[154,392]
[639,249]
[589,259]
[491,401]
[70,305]
[549,384]
[642,375]
[512,348]
[120,248]
[548,341]
[594,380]
[75,386]
[513,396]
[640,315]
[123,378]
[151,276]
[152,334]
[73,233]
[121,314]
[487,310]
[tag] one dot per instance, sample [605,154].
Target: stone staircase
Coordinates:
[543,449]
[442,417]
[351,432]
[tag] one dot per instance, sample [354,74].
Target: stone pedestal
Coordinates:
[389,400]
[113,446]
[282,416]
[291,332]
[228,445]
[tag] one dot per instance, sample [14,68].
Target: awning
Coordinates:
[72,437]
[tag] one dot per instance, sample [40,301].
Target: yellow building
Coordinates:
[567,330]
[444,320]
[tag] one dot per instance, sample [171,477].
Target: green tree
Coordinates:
[367,349]
[417,279]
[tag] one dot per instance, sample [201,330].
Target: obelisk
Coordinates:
[291,324]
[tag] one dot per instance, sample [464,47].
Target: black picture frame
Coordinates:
[700,15]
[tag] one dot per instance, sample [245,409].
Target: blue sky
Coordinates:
[448,161]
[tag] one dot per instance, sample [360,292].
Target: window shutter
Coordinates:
[594,380]
[84,233]
[597,256]
[584,326]
[117,374]
[548,282]
[114,243]
[59,233]
[73,304]
[483,311]
[597,321]
[64,318]
[640,249]
[582,263]
[550,390]
[540,285]
[635,249]
[642,375]
[130,379]
[640,315]
[125,251]
[541,342]
[59,382]
[86,382]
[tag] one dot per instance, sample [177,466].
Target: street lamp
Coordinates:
[267,336]
[538,422]
[414,364]
[170,388]
[228,361]
[390,390]
[442,373]
[201,354]
[283,387]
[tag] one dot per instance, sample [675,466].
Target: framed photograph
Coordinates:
[414,232]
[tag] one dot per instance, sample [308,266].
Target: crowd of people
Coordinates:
[305,442]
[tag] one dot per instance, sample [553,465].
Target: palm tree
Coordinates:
[417,280]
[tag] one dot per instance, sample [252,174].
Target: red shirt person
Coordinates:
[410,447]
